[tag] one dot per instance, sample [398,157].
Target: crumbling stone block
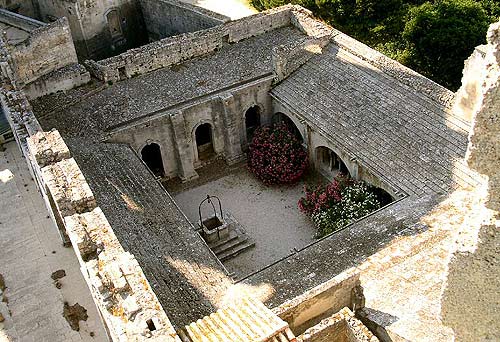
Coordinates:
[68,187]
[48,148]
[91,233]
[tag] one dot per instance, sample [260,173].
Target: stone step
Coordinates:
[235,251]
[229,244]
[216,244]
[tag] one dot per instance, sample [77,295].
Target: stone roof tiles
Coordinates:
[389,127]
[184,274]
[159,90]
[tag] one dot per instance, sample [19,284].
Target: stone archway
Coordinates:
[329,163]
[283,118]
[252,121]
[151,155]
[204,141]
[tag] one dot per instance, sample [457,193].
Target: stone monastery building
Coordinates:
[105,97]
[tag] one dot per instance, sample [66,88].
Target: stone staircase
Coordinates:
[237,241]
[231,246]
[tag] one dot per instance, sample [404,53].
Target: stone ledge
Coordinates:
[68,187]
[48,148]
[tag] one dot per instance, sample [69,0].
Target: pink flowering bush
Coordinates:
[323,197]
[276,156]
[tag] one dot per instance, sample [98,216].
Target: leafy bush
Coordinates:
[338,204]
[357,201]
[432,37]
[276,156]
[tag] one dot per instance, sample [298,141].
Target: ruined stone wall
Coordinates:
[174,50]
[22,7]
[174,129]
[129,308]
[47,49]
[90,28]
[23,22]
[165,18]
[484,108]
[63,79]
[340,327]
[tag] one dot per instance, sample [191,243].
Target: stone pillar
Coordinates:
[231,120]
[183,150]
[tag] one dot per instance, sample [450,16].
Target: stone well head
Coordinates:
[213,225]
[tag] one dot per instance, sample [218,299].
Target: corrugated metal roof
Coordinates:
[245,321]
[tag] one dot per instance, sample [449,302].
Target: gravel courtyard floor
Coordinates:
[269,214]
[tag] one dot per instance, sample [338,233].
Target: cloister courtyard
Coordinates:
[269,214]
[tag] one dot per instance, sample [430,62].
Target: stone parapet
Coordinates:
[174,50]
[69,189]
[122,293]
[342,326]
[48,148]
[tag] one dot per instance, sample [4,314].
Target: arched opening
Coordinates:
[114,25]
[204,143]
[329,163]
[283,118]
[252,121]
[151,155]
[382,196]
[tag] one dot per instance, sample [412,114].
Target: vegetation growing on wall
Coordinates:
[338,204]
[432,37]
[276,156]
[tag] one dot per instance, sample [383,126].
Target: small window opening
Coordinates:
[151,325]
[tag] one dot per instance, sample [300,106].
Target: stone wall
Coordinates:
[63,79]
[23,7]
[129,308]
[305,310]
[340,327]
[165,18]
[90,27]
[47,49]
[174,128]
[23,22]
[174,50]
[478,100]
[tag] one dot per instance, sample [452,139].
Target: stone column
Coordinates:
[183,149]
[231,119]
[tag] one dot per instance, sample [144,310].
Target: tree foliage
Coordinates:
[433,37]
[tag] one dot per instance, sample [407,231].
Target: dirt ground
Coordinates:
[269,214]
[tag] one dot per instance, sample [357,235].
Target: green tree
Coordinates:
[439,36]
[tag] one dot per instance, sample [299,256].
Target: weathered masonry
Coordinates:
[191,86]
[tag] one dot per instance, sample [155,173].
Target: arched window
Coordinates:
[283,118]
[151,155]
[113,19]
[252,121]
[330,163]
[204,143]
